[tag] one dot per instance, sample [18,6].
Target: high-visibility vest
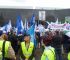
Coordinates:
[27,53]
[7,44]
[69,56]
[49,53]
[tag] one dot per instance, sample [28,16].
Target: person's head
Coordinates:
[26,37]
[47,40]
[4,36]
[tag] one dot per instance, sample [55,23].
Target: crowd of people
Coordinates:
[51,45]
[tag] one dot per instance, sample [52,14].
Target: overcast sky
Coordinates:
[48,4]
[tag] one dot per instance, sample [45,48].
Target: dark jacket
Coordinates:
[57,43]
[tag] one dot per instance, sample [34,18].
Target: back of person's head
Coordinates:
[47,40]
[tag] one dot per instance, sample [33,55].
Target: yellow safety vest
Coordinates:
[27,53]
[7,44]
[69,56]
[49,53]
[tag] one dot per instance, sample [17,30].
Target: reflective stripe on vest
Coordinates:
[6,47]
[48,54]
[69,56]
[27,53]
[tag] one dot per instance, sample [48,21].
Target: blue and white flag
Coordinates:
[26,25]
[19,25]
[9,26]
[32,20]
[32,32]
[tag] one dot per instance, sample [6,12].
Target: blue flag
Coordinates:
[26,25]
[31,32]
[19,25]
[9,26]
[32,20]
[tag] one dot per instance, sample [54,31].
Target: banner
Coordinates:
[57,26]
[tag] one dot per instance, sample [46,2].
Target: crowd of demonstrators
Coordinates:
[56,40]
[53,43]
[17,43]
